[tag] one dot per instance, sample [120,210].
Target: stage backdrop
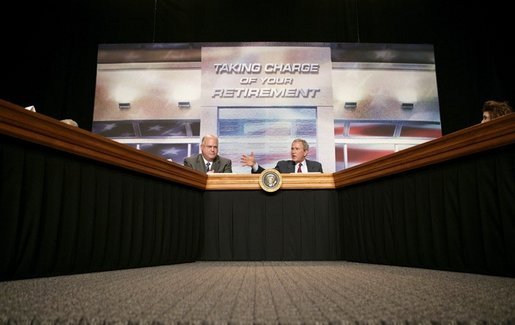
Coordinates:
[351,102]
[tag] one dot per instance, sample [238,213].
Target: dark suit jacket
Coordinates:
[288,166]
[220,164]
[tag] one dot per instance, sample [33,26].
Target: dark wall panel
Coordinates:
[61,214]
[256,225]
[456,216]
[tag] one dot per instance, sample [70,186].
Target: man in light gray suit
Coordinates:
[297,164]
[208,161]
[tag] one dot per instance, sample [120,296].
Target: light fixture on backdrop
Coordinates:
[350,105]
[184,104]
[407,106]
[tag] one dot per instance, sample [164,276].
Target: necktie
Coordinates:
[299,170]
[208,164]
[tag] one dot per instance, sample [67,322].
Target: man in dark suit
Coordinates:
[297,164]
[208,161]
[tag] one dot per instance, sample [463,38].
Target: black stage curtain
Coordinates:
[61,214]
[285,225]
[456,216]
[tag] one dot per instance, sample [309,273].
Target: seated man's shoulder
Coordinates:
[192,157]
[315,166]
[285,162]
[285,166]
[224,159]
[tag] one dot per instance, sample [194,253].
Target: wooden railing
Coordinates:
[17,122]
[20,123]
[474,139]
[251,181]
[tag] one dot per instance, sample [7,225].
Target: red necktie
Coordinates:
[299,170]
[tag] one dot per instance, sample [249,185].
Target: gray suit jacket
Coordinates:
[288,166]
[220,164]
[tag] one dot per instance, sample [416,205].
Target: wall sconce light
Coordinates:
[407,105]
[184,104]
[124,105]
[350,105]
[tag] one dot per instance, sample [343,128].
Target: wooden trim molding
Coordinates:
[251,181]
[474,139]
[15,121]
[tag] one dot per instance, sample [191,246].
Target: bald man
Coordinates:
[208,161]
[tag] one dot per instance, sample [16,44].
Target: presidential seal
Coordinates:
[270,180]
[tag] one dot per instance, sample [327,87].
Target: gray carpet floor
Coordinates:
[261,293]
